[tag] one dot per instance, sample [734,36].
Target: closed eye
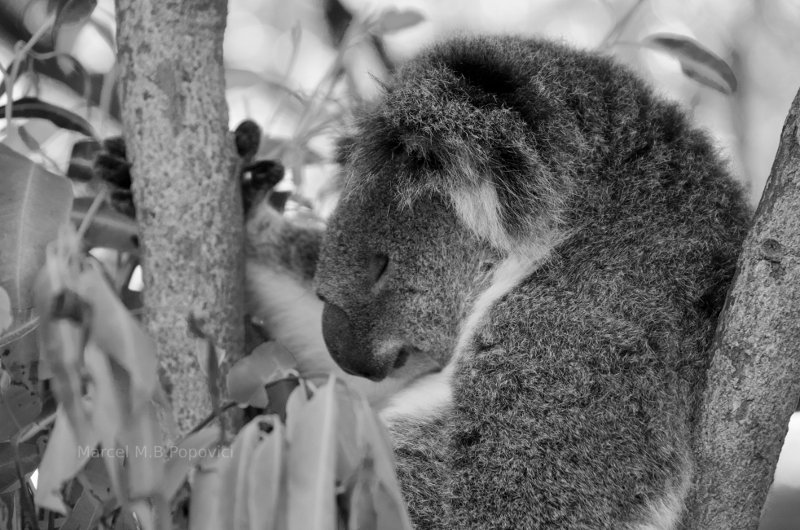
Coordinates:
[377,267]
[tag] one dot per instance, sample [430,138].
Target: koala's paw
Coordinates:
[112,167]
[257,177]
[258,181]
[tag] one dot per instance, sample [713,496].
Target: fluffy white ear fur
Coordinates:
[479,209]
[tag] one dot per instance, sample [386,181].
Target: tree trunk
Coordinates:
[187,199]
[754,379]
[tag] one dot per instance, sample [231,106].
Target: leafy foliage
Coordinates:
[329,464]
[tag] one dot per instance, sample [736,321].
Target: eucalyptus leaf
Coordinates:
[386,488]
[63,458]
[266,496]
[205,510]
[108,414]
[362,514]
[312,462]
[61,340]
[70,11]
[33,204]
[108,229]
[86,513]
[19,406]
[118,334]
[5,311]
[267,363]
[243,447]
[393,20]
[697,62]
[185,456]
[143,443]
[66,119]
[27,454]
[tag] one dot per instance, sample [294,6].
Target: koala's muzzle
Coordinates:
[350,353]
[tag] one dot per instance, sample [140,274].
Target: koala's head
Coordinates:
[469,157]
[396,280]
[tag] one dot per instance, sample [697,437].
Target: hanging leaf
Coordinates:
[349,437]
[30,142]
[70,11]
[33,204]
[696,61]
[5,311]
[273,85]
[60,117]
[243,447]
[205,511]
[61,340]
[312,462]
[117,333]
[94,478]
[63,458]
[362,514]
[143,443]
[19,407]
[267,363]
[86,513]
[386,494]
[393,20]
[266,496]
[297,401]
[27,455]
[109,228]
[185,456]
[107,412]
[213,487]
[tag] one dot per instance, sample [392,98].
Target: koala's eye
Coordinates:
[377,266]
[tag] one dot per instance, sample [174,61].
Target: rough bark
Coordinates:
[754,379]
[187,201]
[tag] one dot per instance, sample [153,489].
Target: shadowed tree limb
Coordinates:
[754,379]
[187,198]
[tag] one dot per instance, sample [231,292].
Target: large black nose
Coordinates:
[345,347]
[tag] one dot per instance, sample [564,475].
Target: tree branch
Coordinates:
[187,201]
[754,379]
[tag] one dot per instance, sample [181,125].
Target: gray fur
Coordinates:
[574,397]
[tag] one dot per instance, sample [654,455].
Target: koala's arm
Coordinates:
[281,259]
[286,244]
[608,442]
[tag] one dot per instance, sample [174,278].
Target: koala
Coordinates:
[533,248]
[523,274]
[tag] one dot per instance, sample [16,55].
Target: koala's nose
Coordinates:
[342,343]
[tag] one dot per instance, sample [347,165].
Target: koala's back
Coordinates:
[575,392]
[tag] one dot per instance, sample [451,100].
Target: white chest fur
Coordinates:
[431,395]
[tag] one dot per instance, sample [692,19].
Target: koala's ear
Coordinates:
[468,121]
[496,79]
